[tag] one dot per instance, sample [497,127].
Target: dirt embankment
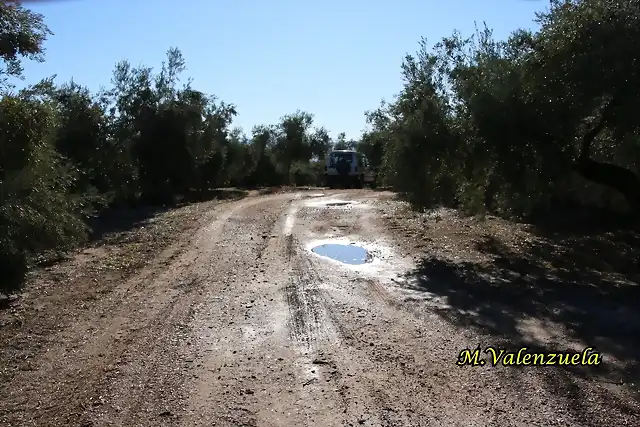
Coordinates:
[220,314]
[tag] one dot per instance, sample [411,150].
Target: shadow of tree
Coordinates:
[120,219]
[589,286]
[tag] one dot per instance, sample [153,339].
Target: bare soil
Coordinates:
[217,313]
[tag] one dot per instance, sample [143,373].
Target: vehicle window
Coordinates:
[335,157]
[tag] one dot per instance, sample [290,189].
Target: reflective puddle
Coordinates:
[348,254]
[322,203]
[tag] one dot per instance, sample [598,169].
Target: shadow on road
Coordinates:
[120,219]
[588,286]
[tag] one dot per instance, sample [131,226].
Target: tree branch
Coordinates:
[590,136]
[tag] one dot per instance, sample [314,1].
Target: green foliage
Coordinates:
[320,142]
[38,209]
[342,143]
[501,125]
[292,142]
[306,173]
[22,33]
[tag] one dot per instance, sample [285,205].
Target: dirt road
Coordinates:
[240,324]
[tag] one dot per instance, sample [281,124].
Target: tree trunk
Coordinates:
[616,177]
[289,163]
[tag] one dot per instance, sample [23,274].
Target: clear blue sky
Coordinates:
[332,58]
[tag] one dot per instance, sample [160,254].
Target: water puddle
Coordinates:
[347,254]
[322,202]
[366,258]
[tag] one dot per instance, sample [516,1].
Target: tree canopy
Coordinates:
[505,125]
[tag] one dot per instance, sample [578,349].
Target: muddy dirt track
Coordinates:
[240,324]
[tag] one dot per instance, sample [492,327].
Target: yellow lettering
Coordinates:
[509,360]
[519,358]
[469,357]
[588,356]
[596,359]
[564,361]
[496,355]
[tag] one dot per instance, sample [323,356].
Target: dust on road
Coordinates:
[248,327]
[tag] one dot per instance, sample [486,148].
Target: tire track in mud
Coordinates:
[234,331]
[158,384]
[365,377]
[372,397]
[312,312]
[101,359]
[302,295]
[313,315]
[126,371]
[344,373]
[154,338]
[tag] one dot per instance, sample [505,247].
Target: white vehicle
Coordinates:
[348,168]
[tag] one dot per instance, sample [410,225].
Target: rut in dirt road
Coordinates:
[304,313]
[247,326]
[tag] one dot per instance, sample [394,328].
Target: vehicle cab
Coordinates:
[348,168]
